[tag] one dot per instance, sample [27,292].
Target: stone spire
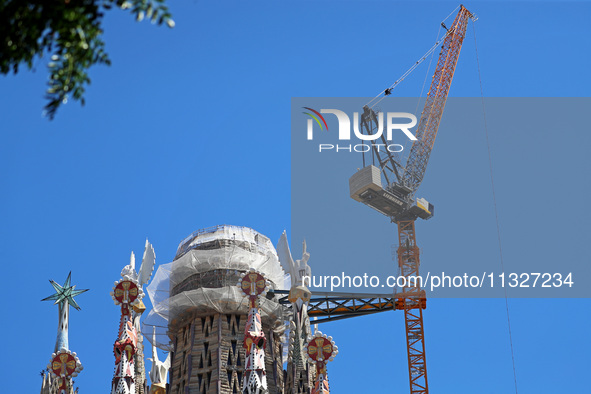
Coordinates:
[299,377]
[130,376]
[64,364]
[254,381]
[321,349]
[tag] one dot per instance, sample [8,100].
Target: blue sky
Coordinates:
[190,127]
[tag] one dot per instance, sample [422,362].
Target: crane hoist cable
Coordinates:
[492,181]
[373,102]
[406,143]
[427,73]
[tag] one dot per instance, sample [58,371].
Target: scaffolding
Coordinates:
[202,280]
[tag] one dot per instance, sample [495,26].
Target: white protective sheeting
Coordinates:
[201,279]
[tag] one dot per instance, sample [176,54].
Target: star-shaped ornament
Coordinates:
[64,293]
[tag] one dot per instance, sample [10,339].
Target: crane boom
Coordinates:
[433,110]
[397,198]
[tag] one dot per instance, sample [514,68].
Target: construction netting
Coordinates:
[203,280]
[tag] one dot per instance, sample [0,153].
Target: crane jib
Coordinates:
[435,103]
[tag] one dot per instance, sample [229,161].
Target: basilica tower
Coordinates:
[200,315]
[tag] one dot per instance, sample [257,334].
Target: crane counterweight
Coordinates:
[366,186]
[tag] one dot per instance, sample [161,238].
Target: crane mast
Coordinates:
[397,199]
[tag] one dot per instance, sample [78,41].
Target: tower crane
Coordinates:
[397,198]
